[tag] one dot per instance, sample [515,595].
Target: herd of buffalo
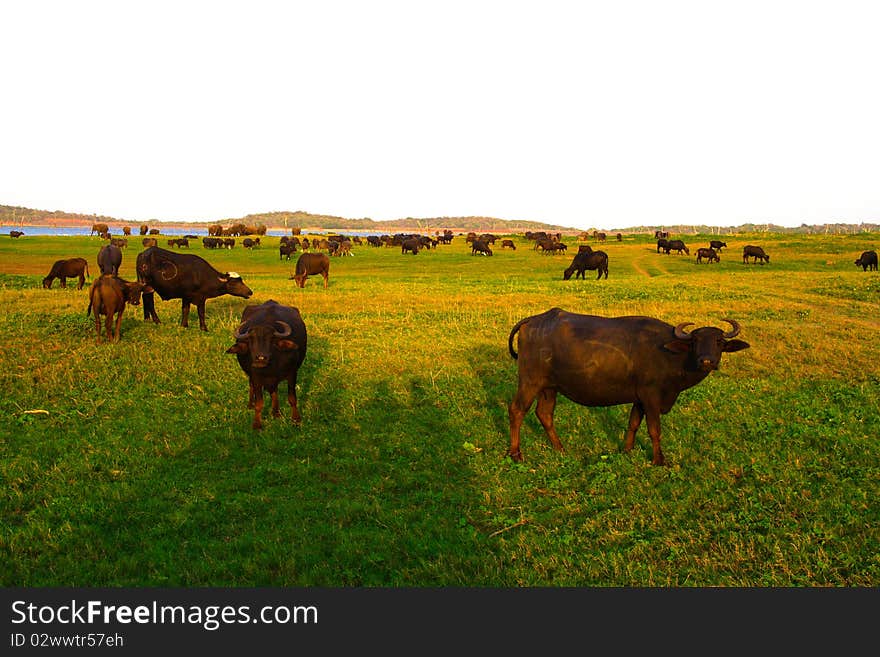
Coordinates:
[591,360]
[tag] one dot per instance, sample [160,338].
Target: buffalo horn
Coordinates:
[732,332]
[680,333]
[240,334]
[285,329]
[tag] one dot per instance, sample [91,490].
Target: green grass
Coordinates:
[134,464]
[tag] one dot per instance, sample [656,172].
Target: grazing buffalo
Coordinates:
[285,249]
[15,233]
[100,229]
[717,245]
[584,260]
[270,345]
[508,244]
[108,297]
[756,253]
[709,254]
[606,361]
[479,246]
[110,259]
[311,264]
[663,243]
[187,277]
[64,269]
[676,245]
[412,245]
[867,261]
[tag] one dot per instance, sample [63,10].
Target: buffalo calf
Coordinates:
[108,297]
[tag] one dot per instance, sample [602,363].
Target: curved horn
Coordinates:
[285,329]
[680,332]
[732,332]
[240,334]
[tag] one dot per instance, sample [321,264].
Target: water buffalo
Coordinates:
[110,259]
[311,264]
[64,269]
[481,247]
[187,277]
[606,361]
[411,245]
[584,260]
[867,261]
[270,345]
[717,245]
[108,297]
[756,253]
[676,245]
[100,229]
[709,254]
[663,243]
[508,244]
[16,233]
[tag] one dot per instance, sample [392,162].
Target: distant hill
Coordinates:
[14,215]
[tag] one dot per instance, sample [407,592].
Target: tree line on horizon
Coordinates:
[16,215]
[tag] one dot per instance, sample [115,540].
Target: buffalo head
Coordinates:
[231,283]
[705,345]
[259,340]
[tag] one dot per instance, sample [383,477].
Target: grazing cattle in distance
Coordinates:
[661,234]
[663,243]
[110,259]
[584,260]
[606,361]
[601,237]
[508,244]
[144,229]
[15,233]
[249,243]
[344,249]
[676,245]
[100,229]
[126,230]
[619,237]
[717,245]
[867,261]
[709,254]
[187,277]
[154,231]
[411,245]
[285,249]
[756,253]
[270,345]
[108,297]
[479,246]
[64,269]
[311,264]
[149,241]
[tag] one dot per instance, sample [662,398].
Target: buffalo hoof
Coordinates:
[516,456]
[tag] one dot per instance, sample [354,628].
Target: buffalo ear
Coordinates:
[238,348]
[287,345]
[678,346]
[735,345]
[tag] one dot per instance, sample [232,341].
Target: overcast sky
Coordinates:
[585,114]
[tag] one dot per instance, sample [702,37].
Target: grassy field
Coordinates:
[134,464]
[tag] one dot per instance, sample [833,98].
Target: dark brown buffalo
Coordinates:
[717,245]
[15,233]
[110,259]
[270,345]
[676,245]
[508,244]
[108,297]
[100,229]
[662,243]
[481,247]
[708,254]
[602,361]
[867,261]
[584,260]
[411,244]
[187,277]
[70,268]
[756,253]
[311,264]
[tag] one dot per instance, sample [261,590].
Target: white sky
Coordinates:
[586,114]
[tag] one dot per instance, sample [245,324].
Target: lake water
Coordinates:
[166,231]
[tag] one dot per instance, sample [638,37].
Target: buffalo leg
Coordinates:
[516,411]
[635,420]
[117,325]
[184,313]
[258,407]
[273,393]
[326,276]
[653,417]
[63,281]
[98,326]
[82,281]
[108,324]
[544,410]
[200,307]
[291,399]
[252,394]
[149,301]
